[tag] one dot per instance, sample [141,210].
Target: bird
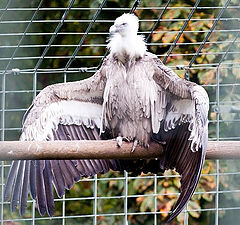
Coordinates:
[132,97]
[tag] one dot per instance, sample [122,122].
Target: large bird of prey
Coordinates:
[133,96]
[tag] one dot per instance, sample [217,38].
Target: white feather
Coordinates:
[63,112]
[126,41]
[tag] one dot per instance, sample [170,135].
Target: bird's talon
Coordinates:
[135,144]
[119,140]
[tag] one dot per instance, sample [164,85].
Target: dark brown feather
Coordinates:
[58,179]
[39,175]
[48,178]
[178,155]
[24,189]
[68,179]
[17,185]
[10,179]
[33,179]
[40,188]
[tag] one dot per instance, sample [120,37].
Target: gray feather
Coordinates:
[47,177]
[40,188]
[24,189]
[68,179]
[33,179]
[58,178]
[10,179]
[17,185]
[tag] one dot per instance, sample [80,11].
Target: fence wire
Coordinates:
[73,35]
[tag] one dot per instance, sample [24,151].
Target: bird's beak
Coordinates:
[113,29]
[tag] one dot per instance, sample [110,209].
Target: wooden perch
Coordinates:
[106,149]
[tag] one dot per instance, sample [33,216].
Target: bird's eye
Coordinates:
[124,24]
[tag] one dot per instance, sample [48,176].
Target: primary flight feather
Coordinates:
[132,96]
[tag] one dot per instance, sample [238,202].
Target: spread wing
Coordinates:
[70,111]
[184,129]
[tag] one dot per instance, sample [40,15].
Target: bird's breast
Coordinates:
[130,98]
[127,103]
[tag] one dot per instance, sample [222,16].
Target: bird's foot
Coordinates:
[120,140]
[136,143]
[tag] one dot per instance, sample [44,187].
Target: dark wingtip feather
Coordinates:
[181,203]
[175,213]
[178,155]
[24,189]
[10,179]
[72,169]
[58,179]
[41,209]
[33,179]
[47,177]
[17,187]
[68,179]
[40,190]
[188,186]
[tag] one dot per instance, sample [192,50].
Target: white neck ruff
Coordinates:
[129,46]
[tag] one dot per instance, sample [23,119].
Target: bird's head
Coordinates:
[125,25]
[124,43]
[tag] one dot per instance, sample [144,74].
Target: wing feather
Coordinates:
[68,179]
[17,185]
[11,179]
[184,128]
[32,175]
[55,121]
[24,189]
[40,187]
[47,179]
[73,171]
[73,111]
[58,179]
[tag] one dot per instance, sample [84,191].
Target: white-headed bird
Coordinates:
[133,96]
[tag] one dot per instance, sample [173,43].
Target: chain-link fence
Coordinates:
[45,42]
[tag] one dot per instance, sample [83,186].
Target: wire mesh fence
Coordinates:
[44,42]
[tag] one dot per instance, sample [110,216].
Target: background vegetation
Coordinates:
[160,39]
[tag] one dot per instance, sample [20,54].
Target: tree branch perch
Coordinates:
[107,149]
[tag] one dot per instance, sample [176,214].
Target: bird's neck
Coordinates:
[127,48]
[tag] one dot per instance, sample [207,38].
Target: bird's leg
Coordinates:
[136,142]
[146,145]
